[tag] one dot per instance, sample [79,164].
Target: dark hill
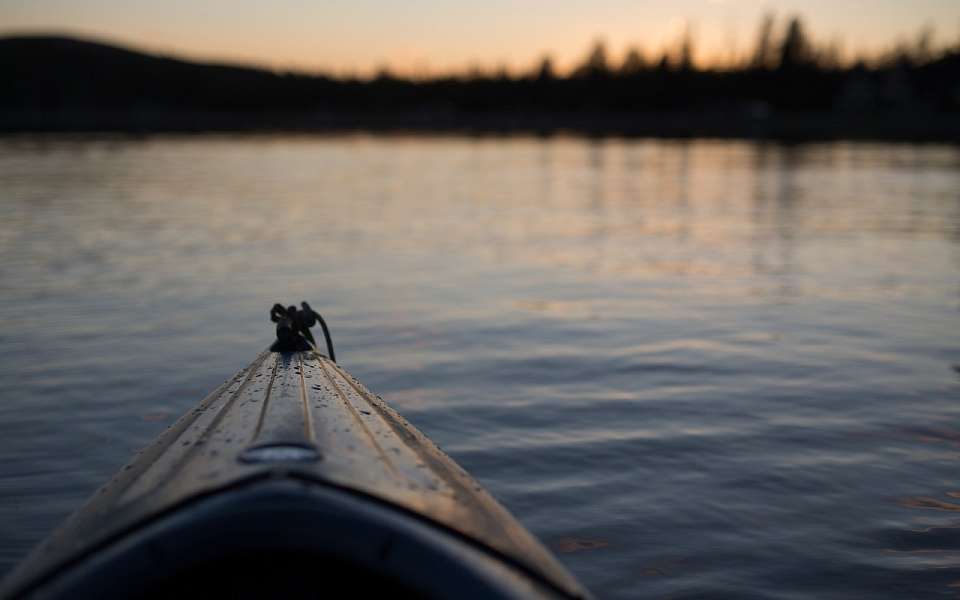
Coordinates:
[63,73]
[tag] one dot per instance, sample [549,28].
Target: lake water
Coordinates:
[692,368]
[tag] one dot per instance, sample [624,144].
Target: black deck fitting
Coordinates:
[293,329]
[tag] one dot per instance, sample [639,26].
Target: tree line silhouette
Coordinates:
[789,72]
[787,85]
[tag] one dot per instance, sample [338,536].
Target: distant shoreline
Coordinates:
[679,125]
[72,85]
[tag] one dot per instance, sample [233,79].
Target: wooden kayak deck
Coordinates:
[299,415]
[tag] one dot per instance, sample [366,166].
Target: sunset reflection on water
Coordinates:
[691,367]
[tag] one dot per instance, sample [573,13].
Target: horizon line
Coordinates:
[470,68]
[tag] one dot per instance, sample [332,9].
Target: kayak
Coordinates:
[292,480]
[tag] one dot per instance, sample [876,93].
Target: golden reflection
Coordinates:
[574,544]
[940,436]
[156,416]
[931,503]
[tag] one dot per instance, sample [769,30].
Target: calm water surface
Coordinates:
[694,369]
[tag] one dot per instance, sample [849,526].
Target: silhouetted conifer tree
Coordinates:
[685,54]
[596,65]
[664,63]
[633,63]
[546,71]
[923,47]
[763,54]
[795,52]
[384,74]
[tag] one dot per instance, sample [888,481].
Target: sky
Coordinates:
[422,37]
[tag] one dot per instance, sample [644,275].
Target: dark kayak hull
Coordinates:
[293,477]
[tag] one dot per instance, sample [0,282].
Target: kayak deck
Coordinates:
[299,417]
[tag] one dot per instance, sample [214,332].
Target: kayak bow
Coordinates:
[292,480]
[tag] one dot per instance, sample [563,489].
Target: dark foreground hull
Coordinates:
[292,480]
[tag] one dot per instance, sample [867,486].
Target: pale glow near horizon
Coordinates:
[436,36]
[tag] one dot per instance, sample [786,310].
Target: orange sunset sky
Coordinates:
[434,36]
